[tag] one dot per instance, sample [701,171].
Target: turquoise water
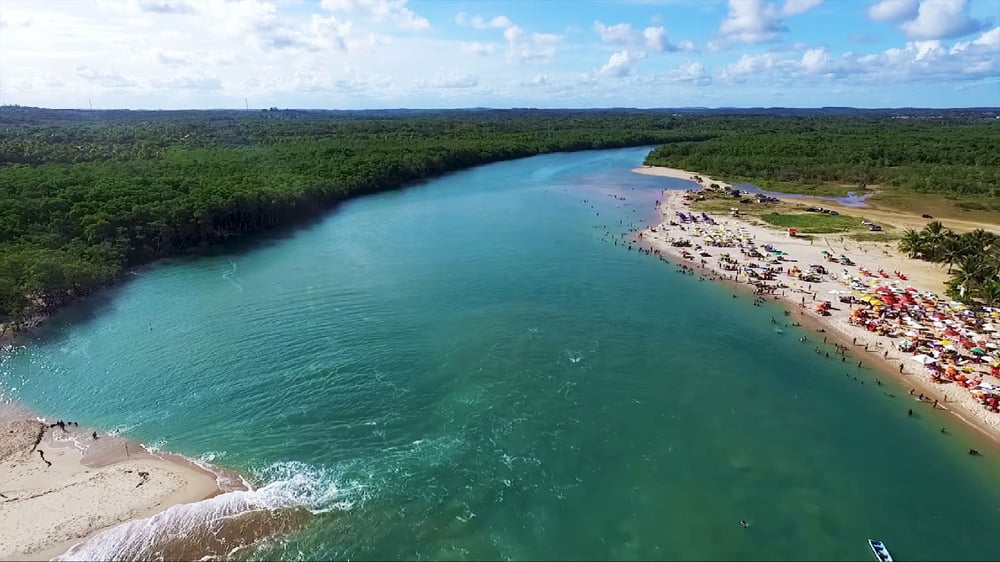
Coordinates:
[469,368]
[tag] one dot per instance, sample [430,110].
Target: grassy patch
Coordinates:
[814,189]
[982,209]
[816,223]
[892,236]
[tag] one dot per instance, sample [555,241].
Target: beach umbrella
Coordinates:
[923,359]
[978,351]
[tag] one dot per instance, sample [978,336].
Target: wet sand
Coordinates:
[61,486]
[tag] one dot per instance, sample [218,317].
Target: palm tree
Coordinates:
[934,234]
[990,293]
[967,278]
[953,249]
[912,243]
[979,240]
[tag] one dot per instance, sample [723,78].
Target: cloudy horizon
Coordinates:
[366,54]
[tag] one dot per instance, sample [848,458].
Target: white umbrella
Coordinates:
[924,359]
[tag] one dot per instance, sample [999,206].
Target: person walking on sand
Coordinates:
[94,435]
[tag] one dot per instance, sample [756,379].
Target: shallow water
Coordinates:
[851,199]
[470,368]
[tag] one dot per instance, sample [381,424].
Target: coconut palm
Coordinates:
[934,234]
[967,279]
[912,243]
[990,292]
[953,248]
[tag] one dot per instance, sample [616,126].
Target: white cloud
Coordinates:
[815,61]
[620,64]
[656,40]
[749,65]
[166,6]
[758,21]
[105,78]
[478,48]
[893,10]
[522,46]
[989,41]
[650,39]
[537,81]
[379,11]
[795,7]
[619,33]
[918,61]
[213,53]
[201,83]
[453,80]
[689,73]
[477,21]
[941,19]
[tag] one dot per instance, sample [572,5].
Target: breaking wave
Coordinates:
[224,524]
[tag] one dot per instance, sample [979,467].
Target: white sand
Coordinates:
[46,509]
[802,252]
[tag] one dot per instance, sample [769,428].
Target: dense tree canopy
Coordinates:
[83,195]
[86,194]
[943,155]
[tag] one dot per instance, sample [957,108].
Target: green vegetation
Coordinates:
[84,195]
[957,157]
[973,259]
[884,236]
[813,223]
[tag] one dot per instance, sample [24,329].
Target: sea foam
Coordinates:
[224,523]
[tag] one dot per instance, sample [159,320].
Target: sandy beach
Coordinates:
[874,351]
[59,485]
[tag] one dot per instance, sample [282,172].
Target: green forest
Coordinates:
[85,195]
[956,156]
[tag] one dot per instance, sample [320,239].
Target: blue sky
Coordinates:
[545,53]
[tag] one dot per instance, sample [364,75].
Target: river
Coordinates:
[470,368]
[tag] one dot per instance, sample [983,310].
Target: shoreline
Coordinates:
[835,328]
[61,486]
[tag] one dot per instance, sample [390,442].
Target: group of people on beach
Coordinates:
[749,266]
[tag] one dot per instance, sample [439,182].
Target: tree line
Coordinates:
[973,259]
[84,195]
[942,155]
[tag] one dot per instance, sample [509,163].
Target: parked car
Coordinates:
[926,216]
[875,228]
[867,223]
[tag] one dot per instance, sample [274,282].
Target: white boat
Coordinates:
[881,552]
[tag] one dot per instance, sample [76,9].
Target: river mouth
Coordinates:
[480,368]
